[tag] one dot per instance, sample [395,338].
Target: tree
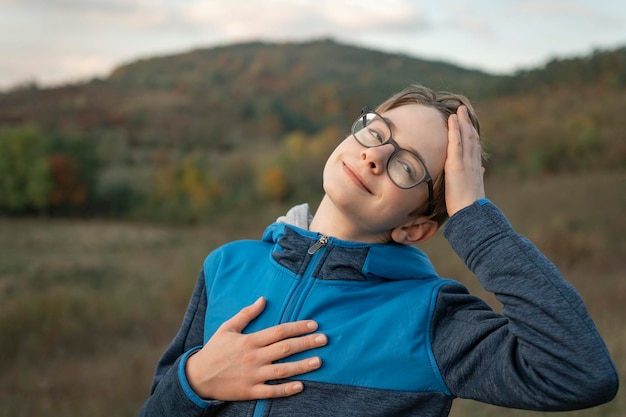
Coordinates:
[73,166]
[185,189]
[25,182]
[39,173]
[272,184]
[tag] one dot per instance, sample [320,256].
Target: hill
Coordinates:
[223,117]
[265,90]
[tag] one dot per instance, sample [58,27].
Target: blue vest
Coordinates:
[373,301]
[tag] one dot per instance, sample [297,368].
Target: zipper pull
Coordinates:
[320,243]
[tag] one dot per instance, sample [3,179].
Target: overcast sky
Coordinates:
[55,41]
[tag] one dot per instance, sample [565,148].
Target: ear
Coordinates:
[416,231]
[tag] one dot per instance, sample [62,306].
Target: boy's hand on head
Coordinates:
[235,367]
[463,168]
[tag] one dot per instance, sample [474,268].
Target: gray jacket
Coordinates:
[411,341]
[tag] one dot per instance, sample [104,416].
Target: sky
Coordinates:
[51,42]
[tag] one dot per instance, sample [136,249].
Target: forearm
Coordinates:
[173,396]
[521,277]
[545,345]
[169,385]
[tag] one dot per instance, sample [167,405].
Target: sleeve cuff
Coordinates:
[189,392]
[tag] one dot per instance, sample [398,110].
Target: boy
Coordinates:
[394,338]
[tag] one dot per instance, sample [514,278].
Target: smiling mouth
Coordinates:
[355,177]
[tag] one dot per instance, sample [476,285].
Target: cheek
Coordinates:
[405,202]
[345,145]
[337,155]
[330,172]
[332,159]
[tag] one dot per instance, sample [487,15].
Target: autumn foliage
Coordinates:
[44,175]
[182,137]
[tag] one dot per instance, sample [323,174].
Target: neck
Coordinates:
[329,220]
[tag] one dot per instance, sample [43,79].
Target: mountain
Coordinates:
[231,93]
[236,106]
[223,96]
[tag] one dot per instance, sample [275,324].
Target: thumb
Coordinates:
[241,320]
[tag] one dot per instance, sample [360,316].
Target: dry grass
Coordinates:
[86,307]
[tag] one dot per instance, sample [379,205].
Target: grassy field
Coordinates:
[87,307]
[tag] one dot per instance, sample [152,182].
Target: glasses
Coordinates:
[406,169]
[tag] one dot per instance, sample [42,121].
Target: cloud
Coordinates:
[72,13]
[555,7]
[301,19]
[57,68]
[464,19]
[374,15]
[602,15]
[137,15]
[56,39]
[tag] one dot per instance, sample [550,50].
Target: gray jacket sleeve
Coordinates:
[543,352]
[170,394]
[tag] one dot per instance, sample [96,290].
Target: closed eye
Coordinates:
[406,168]
[376,135]
[410,172]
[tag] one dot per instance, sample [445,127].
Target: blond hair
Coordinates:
[447,104]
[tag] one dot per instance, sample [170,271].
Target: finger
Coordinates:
[455,145]
[284,331]
[286,389]
[472,146]
[240,320]
[466,127]
[278,371]
[288,347]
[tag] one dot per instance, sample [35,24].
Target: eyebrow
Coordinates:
[389,122]
[393,127]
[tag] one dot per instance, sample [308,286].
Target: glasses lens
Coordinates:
[370,130]
[405,169]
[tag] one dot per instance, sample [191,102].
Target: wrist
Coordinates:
[192,374]
[191,378]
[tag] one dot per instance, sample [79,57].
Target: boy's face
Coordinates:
[356,180]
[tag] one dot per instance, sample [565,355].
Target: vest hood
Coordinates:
[390,261]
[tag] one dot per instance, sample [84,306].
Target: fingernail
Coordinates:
[312,325]
[320,338]
[315,362]
[297,387]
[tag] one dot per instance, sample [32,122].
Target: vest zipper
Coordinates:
[322,241]
[259,408]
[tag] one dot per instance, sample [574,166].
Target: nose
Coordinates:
[376,157]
